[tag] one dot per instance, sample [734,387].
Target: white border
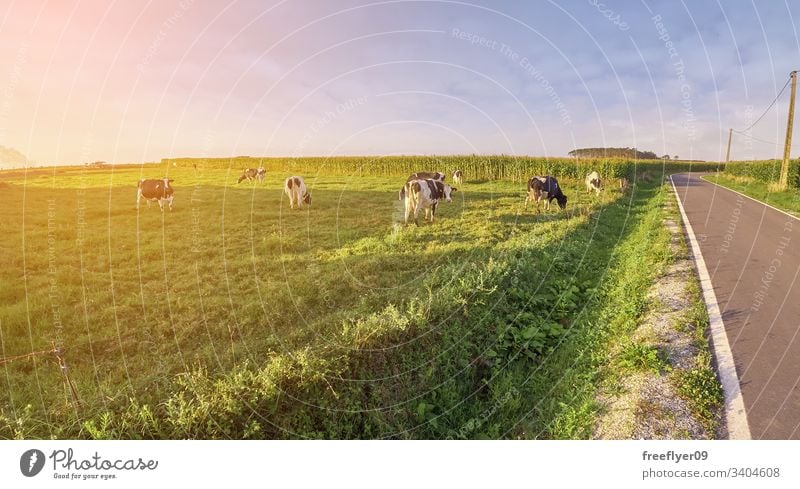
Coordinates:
[735,414]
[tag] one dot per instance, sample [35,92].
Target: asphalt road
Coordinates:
[753,259]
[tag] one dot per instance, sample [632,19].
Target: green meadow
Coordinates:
[235,317]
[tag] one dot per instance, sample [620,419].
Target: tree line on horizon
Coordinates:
[631,153]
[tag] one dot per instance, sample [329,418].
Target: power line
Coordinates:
[755,138]
[768,107]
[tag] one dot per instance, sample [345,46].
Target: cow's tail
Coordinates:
[414,188]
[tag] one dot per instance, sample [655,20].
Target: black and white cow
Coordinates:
[295,188]
[252,173]
[458,177]
[421,175]
[593,182]
[151,189]
[425,194]
[545,188]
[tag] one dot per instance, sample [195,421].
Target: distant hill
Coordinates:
[11,158]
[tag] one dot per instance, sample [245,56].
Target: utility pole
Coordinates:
[728,155]
[787,148]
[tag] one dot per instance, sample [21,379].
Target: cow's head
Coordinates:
[448,193]
[307,198]
[169,191]
[562,201]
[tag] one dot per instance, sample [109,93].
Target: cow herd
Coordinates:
[422,191]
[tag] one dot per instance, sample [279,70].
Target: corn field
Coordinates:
[499,167]
[768,171]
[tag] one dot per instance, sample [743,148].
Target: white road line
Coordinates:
[751,198]
[735,414]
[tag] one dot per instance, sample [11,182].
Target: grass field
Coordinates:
[234,317]
[788,200]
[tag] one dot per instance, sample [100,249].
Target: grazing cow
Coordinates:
[458,177]
[252,173]
[545,188]
[425,194]
[295,188]
[160,190]
[593,182]
[421,175]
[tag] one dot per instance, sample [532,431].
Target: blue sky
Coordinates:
[138,81]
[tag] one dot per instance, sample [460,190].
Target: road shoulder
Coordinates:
[659,382]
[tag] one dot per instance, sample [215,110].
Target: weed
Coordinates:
[639,356]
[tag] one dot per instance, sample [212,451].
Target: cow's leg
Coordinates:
[416,215]
[161,204]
